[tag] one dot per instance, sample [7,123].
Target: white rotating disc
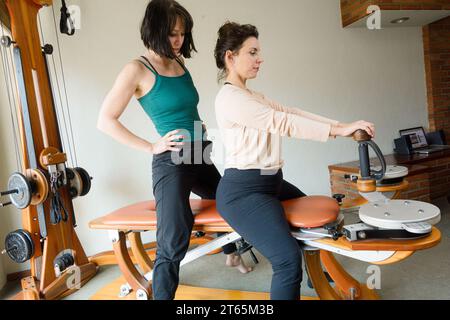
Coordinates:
[392,214]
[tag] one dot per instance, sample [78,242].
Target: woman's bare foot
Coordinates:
[234,260]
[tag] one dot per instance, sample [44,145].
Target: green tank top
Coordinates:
[172,104]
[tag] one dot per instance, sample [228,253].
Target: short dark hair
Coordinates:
[231,36]
[159,20]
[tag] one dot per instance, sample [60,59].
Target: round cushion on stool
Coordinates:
[311,212]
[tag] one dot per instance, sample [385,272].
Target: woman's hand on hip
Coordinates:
[168,143]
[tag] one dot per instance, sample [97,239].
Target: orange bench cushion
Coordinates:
[306,212]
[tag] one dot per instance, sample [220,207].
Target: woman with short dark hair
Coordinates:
[163,86]
[250,193]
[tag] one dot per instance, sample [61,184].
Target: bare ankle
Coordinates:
[235,260]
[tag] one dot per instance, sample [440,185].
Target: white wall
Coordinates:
[310,62]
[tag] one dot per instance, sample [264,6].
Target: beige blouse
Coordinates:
[251,127]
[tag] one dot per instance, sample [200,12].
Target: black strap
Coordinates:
[57,210]
[228,83]
[66,21]
[181,64]
[154,69]
[148,61]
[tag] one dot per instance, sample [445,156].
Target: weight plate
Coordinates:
[19,182]
[19,246]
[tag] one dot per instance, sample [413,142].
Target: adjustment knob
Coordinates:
[47,49]
[338,197]
[6,41]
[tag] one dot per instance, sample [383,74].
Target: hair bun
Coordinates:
[231,36]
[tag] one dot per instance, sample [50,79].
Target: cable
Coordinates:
[65,141]
[64,86]
[8,84]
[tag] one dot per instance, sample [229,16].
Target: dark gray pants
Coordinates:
[250,203]
[172,185]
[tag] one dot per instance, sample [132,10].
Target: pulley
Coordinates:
[80,182]
[39,184]
[63,262]
[19,246]
[86,179]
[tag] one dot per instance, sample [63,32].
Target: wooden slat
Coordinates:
[111,292]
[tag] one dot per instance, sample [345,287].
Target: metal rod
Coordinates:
[5,193]
[5,204]
[9,250]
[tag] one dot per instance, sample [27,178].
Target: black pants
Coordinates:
[250,203]
[172,185]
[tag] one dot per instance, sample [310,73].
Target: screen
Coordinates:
[417,136]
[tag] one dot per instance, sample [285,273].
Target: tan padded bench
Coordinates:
[306,212]
[127,224]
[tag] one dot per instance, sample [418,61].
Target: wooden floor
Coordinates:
[111,292]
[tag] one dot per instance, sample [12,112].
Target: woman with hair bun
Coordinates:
[250,192]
